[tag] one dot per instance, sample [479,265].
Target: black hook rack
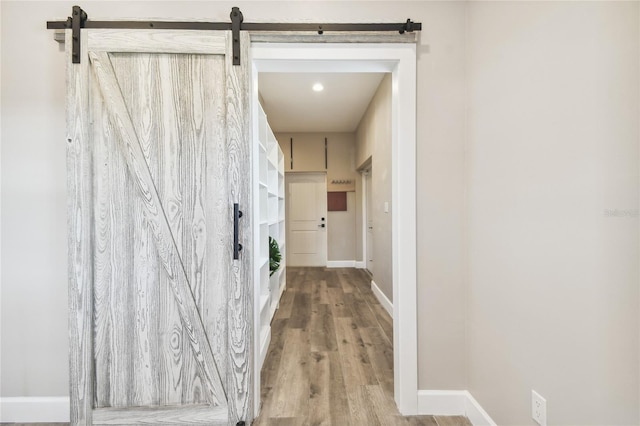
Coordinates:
[79,20]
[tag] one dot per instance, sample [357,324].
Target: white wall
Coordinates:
[553,149]
[373,141]
[34,316]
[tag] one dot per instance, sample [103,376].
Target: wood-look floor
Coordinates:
[330,361]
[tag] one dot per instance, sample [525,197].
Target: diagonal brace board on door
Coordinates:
[79,20]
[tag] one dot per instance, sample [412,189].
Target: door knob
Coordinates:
[321,226]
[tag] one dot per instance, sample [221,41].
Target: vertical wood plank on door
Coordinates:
[112,277]
[141,92]
[80,222]
[164,164]
[218,238]
[240,313]
[130,269]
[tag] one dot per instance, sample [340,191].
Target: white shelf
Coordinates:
[270,206]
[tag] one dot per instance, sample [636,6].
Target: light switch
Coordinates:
[386,207]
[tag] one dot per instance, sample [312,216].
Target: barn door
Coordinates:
[158,153]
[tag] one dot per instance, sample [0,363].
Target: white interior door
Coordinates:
[306,219]
[157,146]
[369,220]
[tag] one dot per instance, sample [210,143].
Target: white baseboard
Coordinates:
[264,345]
[441,402]
[453,403]
[476,414]
[384,300]
[35,409]
[361,264]
[341,263]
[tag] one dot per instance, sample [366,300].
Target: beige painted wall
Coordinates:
[540,249]
[33,174]
[553,210]
[308,156]
[373,140]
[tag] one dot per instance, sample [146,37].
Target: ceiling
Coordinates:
[292,106]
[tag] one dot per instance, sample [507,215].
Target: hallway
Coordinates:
[330,361]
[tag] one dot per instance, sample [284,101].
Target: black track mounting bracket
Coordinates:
[77,20]
[408,27]
[236,22]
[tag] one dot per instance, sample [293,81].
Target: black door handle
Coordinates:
[237,247]
[321,226]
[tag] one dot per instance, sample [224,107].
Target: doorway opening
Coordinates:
[399,60]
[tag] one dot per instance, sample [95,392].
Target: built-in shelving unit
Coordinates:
[270,208]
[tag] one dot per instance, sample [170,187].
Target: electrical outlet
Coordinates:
[538,408]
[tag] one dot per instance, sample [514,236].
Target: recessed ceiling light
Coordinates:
[318,87]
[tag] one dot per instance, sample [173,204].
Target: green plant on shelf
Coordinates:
[274,256]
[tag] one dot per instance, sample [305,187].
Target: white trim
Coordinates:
[400,60]
[382,298]
[341,263]
[363,197]
[360,264]
[403,229]
[453,403]
[34,409]
[264,345]
[258,355]
[476,414]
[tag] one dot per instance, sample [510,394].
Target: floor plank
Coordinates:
[322,328]
[452,421]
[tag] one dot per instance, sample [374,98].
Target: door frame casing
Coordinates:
[365,174]
[399,59]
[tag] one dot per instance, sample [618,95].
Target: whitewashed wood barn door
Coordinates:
[158,152]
